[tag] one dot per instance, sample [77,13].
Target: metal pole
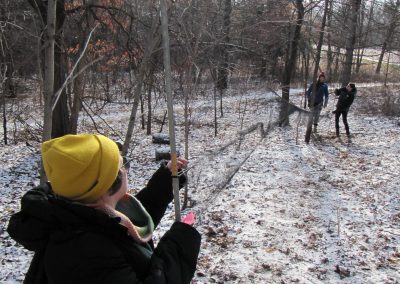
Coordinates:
[171,124]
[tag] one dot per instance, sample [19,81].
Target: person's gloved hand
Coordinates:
[181,163]
[337,92]
[189,219]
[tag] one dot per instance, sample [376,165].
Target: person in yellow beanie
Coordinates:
[84,227]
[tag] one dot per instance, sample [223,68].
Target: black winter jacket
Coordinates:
[345,99]
[74,243]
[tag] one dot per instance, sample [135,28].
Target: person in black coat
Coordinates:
[84,228]
[346,97]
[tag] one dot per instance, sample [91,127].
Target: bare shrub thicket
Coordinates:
[391,103]
[378,101]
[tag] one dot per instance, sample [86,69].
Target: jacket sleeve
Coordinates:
[342,90]
[176,254]
[309,91]
[156,196]
[326,95]
[351,98]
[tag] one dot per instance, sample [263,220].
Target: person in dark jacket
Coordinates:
[346,97]
[317,100]
[84,227]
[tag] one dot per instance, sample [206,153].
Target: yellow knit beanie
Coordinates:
[81,167]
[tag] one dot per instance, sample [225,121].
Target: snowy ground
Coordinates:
[271,210]
[324,213]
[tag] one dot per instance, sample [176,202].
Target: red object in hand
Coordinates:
[189,219]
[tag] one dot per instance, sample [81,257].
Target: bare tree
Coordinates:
[6,54]
[329,54]
[60,117]
[78,90]
[153,40]
[150,81]
[290,64]
[319,46]
[316,67]
[350,41]
[49,75]
[246,38]
[3,71]
[363,37]
[393,24]
[49,69]
[222,72]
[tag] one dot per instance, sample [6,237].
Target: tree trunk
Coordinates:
[306,74]
[4,118]
[387,70]
[319,47]
[360,38]
[222,73]
[316,66]
[290,65]
[49,69]
[274,63]
[3,104]
[263,66]
[329,54]
[186,134]
[389,35]
[78,91]
[336,68]
[61,119]
[153,41]
[49,76]
[388,40]
[365,36]
[142,111]
[149,105]
[350,42]
[215,114]
[9,83]
[6,55]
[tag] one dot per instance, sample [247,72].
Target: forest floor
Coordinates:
[270,209]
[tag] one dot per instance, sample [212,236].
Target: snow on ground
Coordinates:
[318,213]
[270,210]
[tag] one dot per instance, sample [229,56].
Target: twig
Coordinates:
[58,93]
[338,220]
[297,128]
[94,122]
